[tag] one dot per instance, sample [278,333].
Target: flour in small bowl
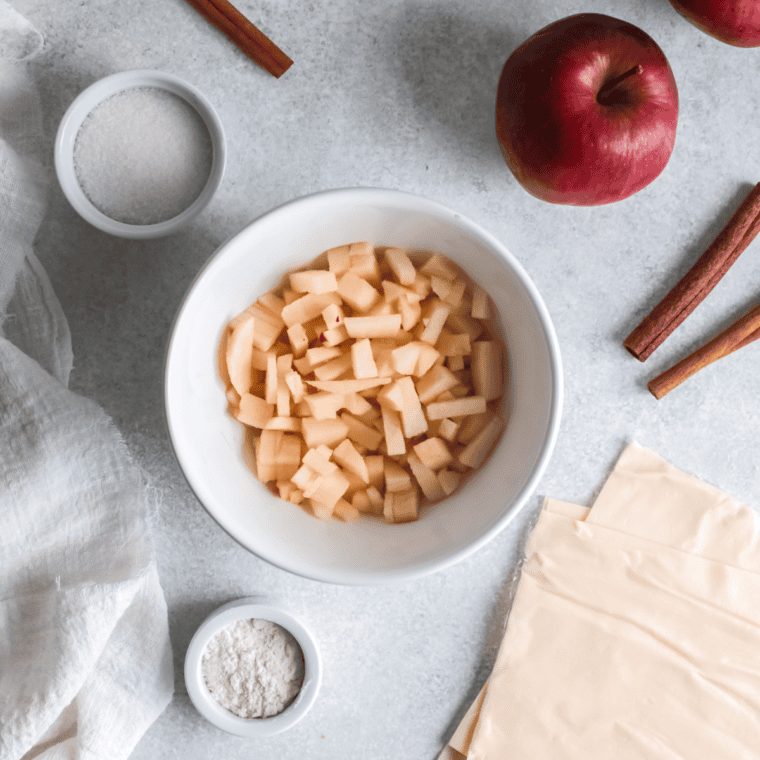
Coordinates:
[253,668]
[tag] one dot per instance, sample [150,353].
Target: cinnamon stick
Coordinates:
[695,285]
[744,331]
[251,40]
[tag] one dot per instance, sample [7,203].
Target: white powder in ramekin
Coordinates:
[253,668]
[143,155]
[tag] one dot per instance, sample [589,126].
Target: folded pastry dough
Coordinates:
[634,630]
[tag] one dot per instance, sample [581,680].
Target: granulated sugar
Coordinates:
[253,668]
[143,156]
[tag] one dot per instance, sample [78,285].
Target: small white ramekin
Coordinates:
[209,708]
[80,109]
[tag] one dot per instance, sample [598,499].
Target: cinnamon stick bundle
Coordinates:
[251,40]
[741,333]
[695,285]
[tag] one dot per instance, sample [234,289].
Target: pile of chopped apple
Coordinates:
[365,383]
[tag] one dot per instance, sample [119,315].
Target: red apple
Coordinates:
[736,22]
[586,111]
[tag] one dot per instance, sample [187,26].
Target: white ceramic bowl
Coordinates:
[209,708]
[96,94]
[208,442]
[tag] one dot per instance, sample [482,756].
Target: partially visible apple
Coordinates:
[586,111]
[736,22]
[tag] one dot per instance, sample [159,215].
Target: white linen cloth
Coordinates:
[85,657]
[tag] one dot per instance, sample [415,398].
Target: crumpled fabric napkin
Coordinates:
[85,656]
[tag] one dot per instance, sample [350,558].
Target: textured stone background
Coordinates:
[400,94]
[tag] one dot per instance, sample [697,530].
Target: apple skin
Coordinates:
[736,22]
[560,142]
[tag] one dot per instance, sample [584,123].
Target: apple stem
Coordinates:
[605,95]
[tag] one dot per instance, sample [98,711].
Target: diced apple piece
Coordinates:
[376,469]
[324,405]
[437,318]
[313,281]
[405,506]
[449,481]
[334,336]
[360,407]
[289,296]
[349,459]
[383,326]
[472,425]
[240,353]
[270,383]
[304,476]
[475,453]
[288,456]
[333,369]
[400,264]
[233,398]
[266,455]
[356,292]
[455,363]
[333,316]
[392,396]
[412,415]
[460,323]
[318,459]
[265,334]
[338,259]
[396,477]
[393,292]
[287,424]
[425,477]
[448,429]
[361,433]
[428,356]
[272,303]
[327,432]
[383,362]
[321,511]
[421,285]
[345,512]
[440,266]
[284,489]
[404,359]
[360,502]
[308,307]
[355,483]
[296,385]
[453,344]
[322,354]
[349,386]
[362,361]
[459,407]
[433,453]
[394,435]
[410,312]
[480,303]
[380,309]
[254,411]
[375,500]
[329,489]
[434,382]
[296,496]
[298,340]
[486,368]
[388,499]
[364,262]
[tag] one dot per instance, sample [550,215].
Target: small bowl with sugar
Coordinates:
[139,154]
[252,668]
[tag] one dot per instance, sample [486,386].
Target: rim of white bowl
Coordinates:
[246,609]
[426,567]
[93,96]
